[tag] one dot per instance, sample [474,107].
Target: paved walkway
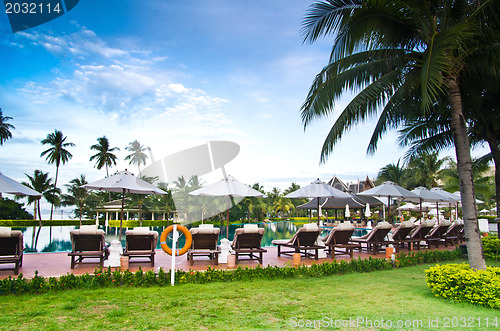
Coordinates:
[57,264]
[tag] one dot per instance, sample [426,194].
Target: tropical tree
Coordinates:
[56,154]
[425,169]
[282,206]
[393,53]
[5,128]
[77,195]
[104,156]
[394,172]
[42,183]
[137,156]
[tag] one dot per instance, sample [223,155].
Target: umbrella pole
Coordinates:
[121,218]
[228,207]
[318,212]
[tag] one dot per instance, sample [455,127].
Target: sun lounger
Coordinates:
[302,242]
[417,235]
[435,236]
[87,242]
[205,239]
[338,239]
[11,247]
[141,243]
[247,242]
[402,232]
[375,239]
[453,233]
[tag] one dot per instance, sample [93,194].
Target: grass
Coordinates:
[400,294]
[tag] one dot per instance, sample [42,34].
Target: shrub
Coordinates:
[491,247]
[461,283]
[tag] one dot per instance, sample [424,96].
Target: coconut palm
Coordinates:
[393,53]
[78,196]
[5,128]
[56,154]
[104,156]
[425,169]
[394,172]
[137,156]
[41,182]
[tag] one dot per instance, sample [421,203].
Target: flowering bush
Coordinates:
[491,247]
[461,283]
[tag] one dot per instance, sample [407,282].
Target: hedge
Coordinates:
[108,278]
[491,247]
[461,283]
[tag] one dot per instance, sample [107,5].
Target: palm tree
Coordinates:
[137,156]
[394,53]
[41,182]
[395,173]
[78,196]
[104,156]
[5,128]
[425,170]
[56,154]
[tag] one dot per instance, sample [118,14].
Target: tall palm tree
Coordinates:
[5,128]
[41,182]
[393,172]
[137,156]
[393,53]
[78,196]
[104,156]
[56,154]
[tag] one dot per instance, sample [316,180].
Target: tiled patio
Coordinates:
[57,264]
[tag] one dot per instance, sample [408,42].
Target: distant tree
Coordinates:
[394,172]
[56,154]
[77,195]
[137,156]
[12,210]
[425,169]
[5,128]
[104,156]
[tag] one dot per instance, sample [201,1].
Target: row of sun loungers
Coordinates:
[89,242]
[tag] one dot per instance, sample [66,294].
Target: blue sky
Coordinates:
[173,75]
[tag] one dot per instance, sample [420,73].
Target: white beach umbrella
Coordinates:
[427,195]
[317,189]
[368,213]
[347,212]
[229,187]
[389,190]
[10,186]
[124,182]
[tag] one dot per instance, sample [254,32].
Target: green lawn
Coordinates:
[393,295]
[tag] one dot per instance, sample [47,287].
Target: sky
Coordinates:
[174,75]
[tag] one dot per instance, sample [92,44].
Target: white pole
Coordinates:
[174,244]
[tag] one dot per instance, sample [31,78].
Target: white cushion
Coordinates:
[384,225]
[88,229]
[251,228]
[430,223]
[311,227]
[141,229]
[5,231]
[345,226]
[206,228]
[445,222]
[406,224]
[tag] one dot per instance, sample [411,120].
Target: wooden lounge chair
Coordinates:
[205,240]
[417,235]
[11,247]
[435,236]
[247,242]
[453,234]
[401,233]
[87,242]
[375,239]
[302,242]
[337,240]
[141,243]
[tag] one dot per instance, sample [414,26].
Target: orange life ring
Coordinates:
[163,240]
[401,219]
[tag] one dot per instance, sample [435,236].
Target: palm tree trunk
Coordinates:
[495,153]
[464,167]
[55,186]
